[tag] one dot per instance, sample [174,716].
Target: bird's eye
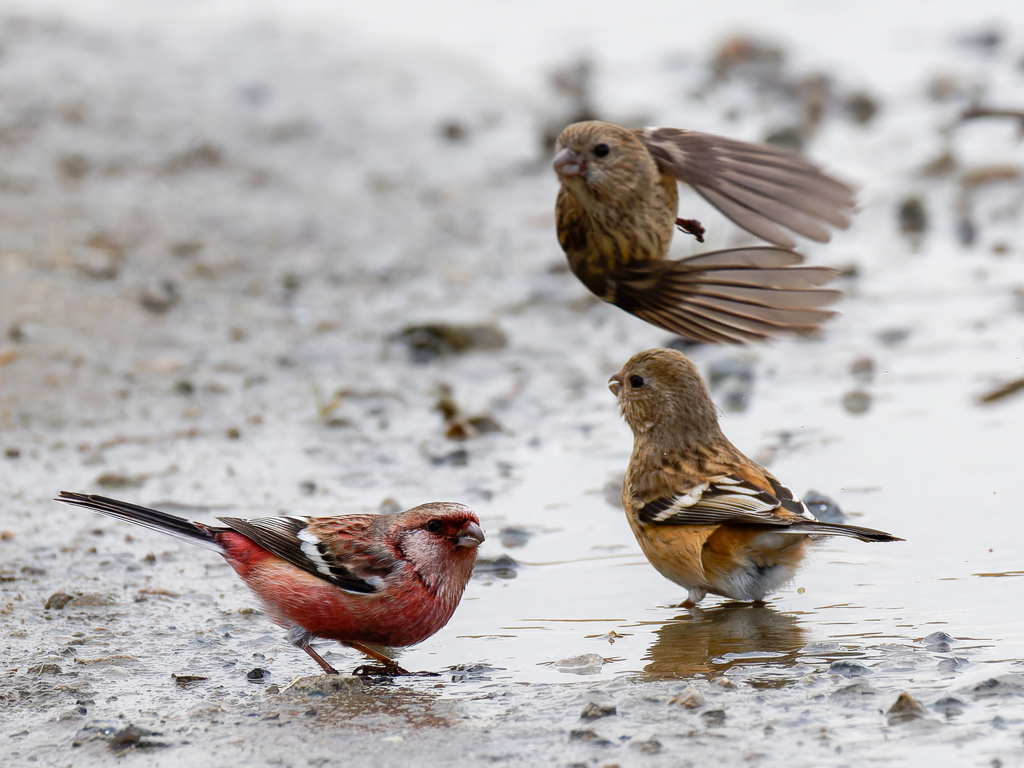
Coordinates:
[636,381]
[434,526]
[602,150]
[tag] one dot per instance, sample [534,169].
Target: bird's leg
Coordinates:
[301,638]
[385,665]
[320,660]
[692,227]
[693,596]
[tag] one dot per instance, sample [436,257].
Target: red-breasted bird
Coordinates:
[706,516]
[616,213]
[391,580]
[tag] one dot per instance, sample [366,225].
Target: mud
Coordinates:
[215,242]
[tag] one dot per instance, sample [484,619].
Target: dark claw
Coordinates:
[380,670]
[386,670]
[691,227]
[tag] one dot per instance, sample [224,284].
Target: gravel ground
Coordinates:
[240,268]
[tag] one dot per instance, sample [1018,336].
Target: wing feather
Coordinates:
[727,296]
[295,539]
[730,499]
[765,190]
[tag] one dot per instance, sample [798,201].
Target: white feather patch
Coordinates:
[376,582]
[310,548]
[679,503]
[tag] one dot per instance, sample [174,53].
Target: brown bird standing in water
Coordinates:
[706,516]
[616,212]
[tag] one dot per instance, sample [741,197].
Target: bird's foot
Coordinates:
[381,670]
[692,227]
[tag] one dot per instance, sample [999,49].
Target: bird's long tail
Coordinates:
[194,533]
[731,296]
[838,529]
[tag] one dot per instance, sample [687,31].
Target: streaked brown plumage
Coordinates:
[616,213]
[706,516]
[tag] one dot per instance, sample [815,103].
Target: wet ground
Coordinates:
[237,268]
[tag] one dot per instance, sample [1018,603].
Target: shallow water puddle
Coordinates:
[275,375]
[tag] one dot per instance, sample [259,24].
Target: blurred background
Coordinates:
[299,257]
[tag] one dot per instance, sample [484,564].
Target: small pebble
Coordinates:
[433,340]
[892,336]
[588,735]
[512,538]
[58,600]
[954,664]
[585,664]
[848,669]
[456,458]
[824,508]
[501,567]
[186,248]
[913,219]
[115,480]
[857,401]
[594,711]
[647,747]
[937,637]
[789,137]
[187,680]
[159,295]
[45,669]
[855,691]
[100,258]
[131,737]
[950,706]
[861,107]
[73,167]
[905,709]
[453,130]
[1018,298]
[323,685]
[713,718]
[690,698]
[863,369]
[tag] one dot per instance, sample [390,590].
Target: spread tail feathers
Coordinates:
[730,296]
[194,533]
[837,529]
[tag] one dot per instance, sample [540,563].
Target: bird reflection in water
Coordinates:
[691,643]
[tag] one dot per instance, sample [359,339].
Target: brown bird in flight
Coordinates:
[706,516]
[617,208]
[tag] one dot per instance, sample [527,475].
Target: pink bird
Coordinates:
[391,580]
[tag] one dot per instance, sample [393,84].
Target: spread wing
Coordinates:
[763,189]
[729,296]
[353,564]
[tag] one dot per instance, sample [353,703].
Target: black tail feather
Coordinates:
[838,529]
[179,527]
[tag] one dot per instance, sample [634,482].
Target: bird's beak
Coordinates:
[615,384]
[470,536]
[569,162]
